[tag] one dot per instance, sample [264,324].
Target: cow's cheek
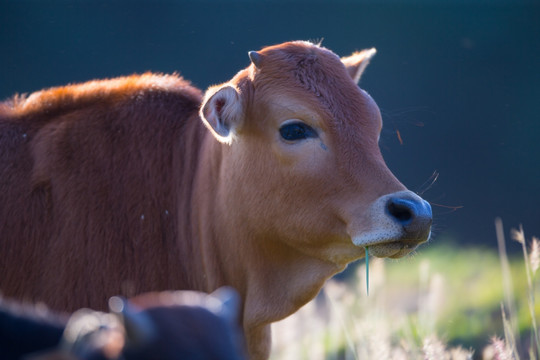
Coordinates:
[307,183]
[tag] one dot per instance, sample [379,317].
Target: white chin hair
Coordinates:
[391,250]
[377,237]
[383,244]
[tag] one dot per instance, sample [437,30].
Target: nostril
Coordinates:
[411,213]
[402,210]
[409,216]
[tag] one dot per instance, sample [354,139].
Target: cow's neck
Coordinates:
[281,280]
[274,279]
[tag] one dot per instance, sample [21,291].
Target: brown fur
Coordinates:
[116,187]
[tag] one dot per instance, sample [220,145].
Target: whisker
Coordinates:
[428,183]
[399,113]
[451,207]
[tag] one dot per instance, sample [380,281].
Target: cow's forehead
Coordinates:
[306,65]
[318,76]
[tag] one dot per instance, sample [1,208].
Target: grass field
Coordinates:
[442,303]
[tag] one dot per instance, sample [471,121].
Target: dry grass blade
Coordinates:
[509,336]
[518,235]
[499,350]
[434,349]
[349,340]
[535,255]
[508,287]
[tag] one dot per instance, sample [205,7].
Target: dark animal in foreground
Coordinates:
[164,326]
[270,183]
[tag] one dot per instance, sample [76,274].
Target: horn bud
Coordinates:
[255,58]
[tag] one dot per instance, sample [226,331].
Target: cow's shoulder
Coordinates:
[110,126]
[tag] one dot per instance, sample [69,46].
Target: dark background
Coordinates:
[459,80]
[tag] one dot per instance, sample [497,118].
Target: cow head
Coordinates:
[301,160]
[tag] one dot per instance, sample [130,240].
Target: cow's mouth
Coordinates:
[393,250]
[393,246]
[399,246]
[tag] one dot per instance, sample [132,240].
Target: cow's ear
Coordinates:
[357,62]
[222,111]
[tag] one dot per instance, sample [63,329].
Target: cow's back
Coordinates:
[91,177]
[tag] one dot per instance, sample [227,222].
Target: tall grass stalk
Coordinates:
[341,322]
[509,297]
[535,264]
[511,348]
[519,236]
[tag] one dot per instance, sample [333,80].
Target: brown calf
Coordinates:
[271,183]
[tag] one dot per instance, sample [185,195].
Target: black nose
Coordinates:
[414,214]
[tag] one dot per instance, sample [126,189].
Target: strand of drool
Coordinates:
[367,270]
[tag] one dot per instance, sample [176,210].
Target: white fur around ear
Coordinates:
[222,112]
[357,62]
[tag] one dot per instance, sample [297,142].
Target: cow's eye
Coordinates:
[297,131]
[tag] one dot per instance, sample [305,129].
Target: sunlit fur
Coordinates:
[117,187]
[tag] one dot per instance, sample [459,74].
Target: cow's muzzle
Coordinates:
[399,223]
